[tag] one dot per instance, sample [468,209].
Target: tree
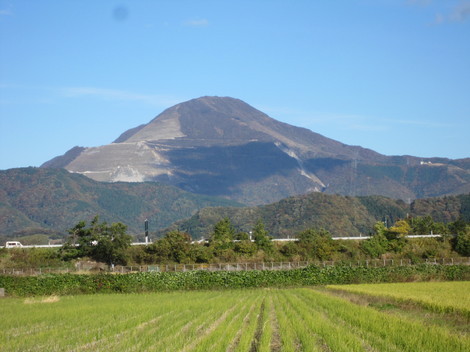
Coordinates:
[290,250]
[100,241]
[457,226]
[462,242]
[223,235]
[200,253]
[399,230]
[261,237]
[316,243]
[245,247]
[242,236]
[376,245]
[380,228]
[394,236]
[176,246]
[426,225]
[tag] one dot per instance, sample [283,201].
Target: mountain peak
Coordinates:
[215,101]
[206,120]
[223,146]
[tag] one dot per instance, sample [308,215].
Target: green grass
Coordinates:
[299,319]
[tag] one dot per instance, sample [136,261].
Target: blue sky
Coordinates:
[389,75]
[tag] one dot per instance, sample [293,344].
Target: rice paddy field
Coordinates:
[294,319]
[438,296]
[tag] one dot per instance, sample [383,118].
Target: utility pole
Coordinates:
[146,222]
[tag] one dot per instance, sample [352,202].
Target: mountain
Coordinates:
[341,215]
[221,146]
[34,200]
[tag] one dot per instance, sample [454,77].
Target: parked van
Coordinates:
[13,244]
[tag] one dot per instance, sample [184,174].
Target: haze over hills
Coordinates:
[221,146]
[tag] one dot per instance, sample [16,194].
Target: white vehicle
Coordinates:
[13,244]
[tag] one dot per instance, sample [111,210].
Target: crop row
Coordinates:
[299,319]
[64,284]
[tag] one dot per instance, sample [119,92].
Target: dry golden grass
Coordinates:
[48,299]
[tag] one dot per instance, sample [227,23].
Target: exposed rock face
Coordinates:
[223,146]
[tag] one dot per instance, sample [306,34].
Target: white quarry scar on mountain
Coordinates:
[165,127]
[111,163]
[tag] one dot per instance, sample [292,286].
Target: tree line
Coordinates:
[110,244]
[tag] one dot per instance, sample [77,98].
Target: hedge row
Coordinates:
[67,284]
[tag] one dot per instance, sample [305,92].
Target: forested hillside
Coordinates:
[342,216]
[50,201]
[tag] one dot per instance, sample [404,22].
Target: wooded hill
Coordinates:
[51,201]
[340,215]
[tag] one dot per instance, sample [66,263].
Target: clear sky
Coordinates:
[389,75]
